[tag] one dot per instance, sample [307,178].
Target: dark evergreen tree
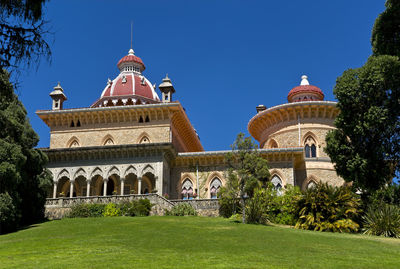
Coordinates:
[22,31]
[386,32]
[23,180]
[366,145]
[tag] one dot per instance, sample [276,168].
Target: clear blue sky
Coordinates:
[224,57]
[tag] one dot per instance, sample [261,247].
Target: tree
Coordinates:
[22,31]
[365,147]
[247,170]
[23,180]
[386,32]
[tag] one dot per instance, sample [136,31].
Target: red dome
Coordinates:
[131,58]
[130,84]
[130,87]
[305,92]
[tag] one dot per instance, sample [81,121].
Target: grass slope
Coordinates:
[188,242]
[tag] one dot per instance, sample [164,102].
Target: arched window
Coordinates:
[277,183]
[272,144]
[214,188]
[187,190]
[310,147]
[144,140]
[74,144]
[109,141]
[307,150]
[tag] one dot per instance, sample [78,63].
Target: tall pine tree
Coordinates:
[23,180]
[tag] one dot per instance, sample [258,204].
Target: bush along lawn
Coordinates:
[321,208]
[188,242]
[141,207]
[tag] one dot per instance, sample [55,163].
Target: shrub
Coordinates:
[111,210]
[236,218]
[182,209]
[328,208]
[258,207]
[8,213]
[86,210]
[143,207]
[389,194]
[229,203]
[284,207]
[267,206]
[136,208]
[383,220]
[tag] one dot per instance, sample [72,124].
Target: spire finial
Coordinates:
[131,52]
[304,80]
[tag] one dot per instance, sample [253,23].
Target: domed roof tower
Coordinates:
[130,87]
[305,92]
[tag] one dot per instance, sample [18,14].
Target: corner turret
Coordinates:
[58,97]
[167,89]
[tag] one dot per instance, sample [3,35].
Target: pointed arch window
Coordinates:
[74,144]
[187,190]
[215,187]
[272,144]
[144,140]
[310,147]
[277,183]
[108,142]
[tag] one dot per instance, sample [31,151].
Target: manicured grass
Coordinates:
[188,242]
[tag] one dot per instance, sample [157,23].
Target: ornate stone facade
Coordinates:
[131,142]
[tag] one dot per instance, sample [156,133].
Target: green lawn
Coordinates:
[188,242]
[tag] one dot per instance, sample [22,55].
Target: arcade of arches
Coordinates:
[97,185]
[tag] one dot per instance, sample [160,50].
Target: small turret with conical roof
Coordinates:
[167,89]
[58,97]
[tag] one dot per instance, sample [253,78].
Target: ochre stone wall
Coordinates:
[207,173]
[289,137]
[86,137]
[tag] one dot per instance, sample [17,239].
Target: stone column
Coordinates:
[55,189]
[158,185]
[87,187]
[122,185]
[139,185]
[105,186]
[71,188]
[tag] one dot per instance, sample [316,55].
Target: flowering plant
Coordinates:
[194,195]
[166,196]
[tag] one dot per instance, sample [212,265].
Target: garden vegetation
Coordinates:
[133,208]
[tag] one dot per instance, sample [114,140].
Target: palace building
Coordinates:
[131,141]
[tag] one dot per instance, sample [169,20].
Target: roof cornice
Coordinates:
[270,117]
